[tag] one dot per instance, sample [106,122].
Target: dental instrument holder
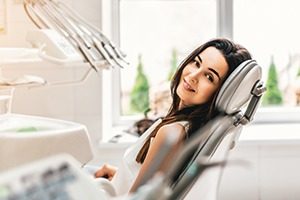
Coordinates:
[86,38]
[53,47]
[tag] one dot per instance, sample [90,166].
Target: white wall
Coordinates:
[80,103]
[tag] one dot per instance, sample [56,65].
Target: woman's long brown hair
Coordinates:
[197,115]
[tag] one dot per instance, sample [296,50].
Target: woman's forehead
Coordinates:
[213,58]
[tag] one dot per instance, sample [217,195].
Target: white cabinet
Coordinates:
[273,171]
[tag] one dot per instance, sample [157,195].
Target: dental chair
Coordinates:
[237,103]
[196,172]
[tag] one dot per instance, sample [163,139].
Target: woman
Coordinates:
[194,88]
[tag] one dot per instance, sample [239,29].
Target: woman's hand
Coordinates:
[106,171]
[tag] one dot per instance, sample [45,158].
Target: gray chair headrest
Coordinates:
[236,90]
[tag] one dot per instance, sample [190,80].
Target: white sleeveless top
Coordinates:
[129,168]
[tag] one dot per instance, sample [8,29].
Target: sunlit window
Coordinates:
[157,35]
[271,32]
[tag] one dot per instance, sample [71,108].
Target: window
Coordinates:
[154,29]
[269,30]
[158,34]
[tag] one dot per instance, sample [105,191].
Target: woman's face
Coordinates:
[202,77]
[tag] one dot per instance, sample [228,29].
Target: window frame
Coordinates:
[224,10]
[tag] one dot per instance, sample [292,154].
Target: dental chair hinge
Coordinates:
[258,89]
[240,119]
[256,92]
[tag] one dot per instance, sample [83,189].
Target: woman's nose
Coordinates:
[193,80]
[194,76]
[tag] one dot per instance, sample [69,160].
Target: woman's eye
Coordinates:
[197,63]
[210,77]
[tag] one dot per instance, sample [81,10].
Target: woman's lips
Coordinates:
[187,86]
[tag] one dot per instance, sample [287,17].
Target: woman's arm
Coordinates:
[175,130]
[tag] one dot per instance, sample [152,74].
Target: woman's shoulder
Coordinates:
[175,128]
[179,124]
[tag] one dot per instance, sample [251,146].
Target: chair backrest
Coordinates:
[237,102]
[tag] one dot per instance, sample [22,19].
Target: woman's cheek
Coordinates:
[206,91]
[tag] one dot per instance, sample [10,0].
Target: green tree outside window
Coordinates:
[273,95]
[139,97]
[174,62]
[298,73]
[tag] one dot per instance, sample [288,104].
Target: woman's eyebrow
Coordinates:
[199,58]
[215,72]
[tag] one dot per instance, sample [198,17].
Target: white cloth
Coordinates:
[127,172]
